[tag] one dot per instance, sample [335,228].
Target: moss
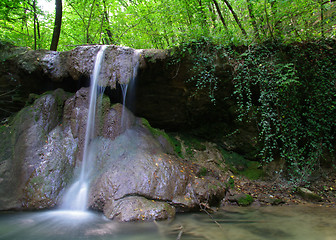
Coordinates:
[245,200]
[230,184]
[241,166]
[202,172]
[193,142]
[253,172]
[171,139]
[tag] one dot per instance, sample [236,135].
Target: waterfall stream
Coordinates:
[128,89]
[76,197]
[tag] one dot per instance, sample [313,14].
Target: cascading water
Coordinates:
[76,197]
[130,85]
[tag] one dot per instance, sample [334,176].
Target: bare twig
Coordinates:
[180,233]
[204,210]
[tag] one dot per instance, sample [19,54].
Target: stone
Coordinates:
[140,167]
[41,154]
[308,195]
[24,164]
[135,208]
[241,199]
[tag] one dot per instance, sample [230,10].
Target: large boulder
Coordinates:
[29,144]
[135,164]
[41,154]
[164,92]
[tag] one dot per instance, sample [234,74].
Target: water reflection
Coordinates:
[233,223]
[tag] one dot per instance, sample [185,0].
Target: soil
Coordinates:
[279,191]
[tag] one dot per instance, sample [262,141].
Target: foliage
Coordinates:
[205,56]
[289,90]
[167,23]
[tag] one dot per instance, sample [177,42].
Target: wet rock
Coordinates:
[308,195]
[134,164]
[41,155]
[241,199]
[24,140]
[135,208]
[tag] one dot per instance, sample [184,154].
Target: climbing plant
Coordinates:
[289,91]
[204,56]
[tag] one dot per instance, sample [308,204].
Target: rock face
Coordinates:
[163,95]
[140,168]
[24,71]
[133,178]
[29,176]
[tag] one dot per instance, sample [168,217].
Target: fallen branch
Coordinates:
[180,233]
[204,210]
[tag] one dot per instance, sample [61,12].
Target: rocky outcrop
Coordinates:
[164,95]
[24,71]
[139,167]
[29,177]
[133,177]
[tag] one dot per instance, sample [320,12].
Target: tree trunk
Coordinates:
[107,28]
[267,20]
[88,40]
[322,19]
[35,17]
[203,17]
[235,16]
[57,26]
[254,24]
[220,14]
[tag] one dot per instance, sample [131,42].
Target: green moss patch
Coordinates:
[245,200]
[171,139]
[241,166]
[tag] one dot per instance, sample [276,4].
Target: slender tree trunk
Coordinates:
[202,13]
[235,16]
[187,8]
[322,18]
[89,22]
[57,26]
[267,20]
[220,14]
[253,21]
[107,28]
[35,17]
[212,15]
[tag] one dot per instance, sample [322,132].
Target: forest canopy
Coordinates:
[166,23]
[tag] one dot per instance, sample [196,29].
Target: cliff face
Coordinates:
[162,92]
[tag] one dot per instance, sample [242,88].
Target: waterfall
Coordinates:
[129,87]
[76,197]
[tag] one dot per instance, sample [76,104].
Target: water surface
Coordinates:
[284,222]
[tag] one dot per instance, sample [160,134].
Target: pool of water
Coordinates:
[283,222]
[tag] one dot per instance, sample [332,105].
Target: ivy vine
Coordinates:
[290,92]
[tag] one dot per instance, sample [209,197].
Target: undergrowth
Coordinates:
[288,91]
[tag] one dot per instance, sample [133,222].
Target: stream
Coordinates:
[232,223]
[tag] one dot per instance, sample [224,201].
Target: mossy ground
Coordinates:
[241,166]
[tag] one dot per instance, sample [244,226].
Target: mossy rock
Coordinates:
[160,133]
[245,200]
[308,195]
[242,199]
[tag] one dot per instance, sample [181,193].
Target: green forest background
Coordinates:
[166,23]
